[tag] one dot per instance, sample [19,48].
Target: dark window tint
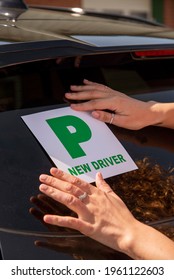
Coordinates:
[45,82]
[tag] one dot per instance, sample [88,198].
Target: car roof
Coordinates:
[41,23]
[28,29]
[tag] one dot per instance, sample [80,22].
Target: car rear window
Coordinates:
[41,85]
[45,82]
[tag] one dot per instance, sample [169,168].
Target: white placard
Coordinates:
[79,144]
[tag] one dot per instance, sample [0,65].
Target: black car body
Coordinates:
[42,52]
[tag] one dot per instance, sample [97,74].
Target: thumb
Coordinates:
[101,183]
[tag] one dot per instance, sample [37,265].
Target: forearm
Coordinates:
[164,114]
[149,244]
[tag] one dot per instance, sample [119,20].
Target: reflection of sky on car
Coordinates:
[109,41]
[160,96]
[5,43]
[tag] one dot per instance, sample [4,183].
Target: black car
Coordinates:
[42,52]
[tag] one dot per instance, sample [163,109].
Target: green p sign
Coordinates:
[71,131]
[78,144]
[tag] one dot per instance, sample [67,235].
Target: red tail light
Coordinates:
[155,54]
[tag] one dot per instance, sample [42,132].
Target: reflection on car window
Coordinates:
[45,82]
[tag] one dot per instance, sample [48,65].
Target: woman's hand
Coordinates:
[102,215]
[125,112]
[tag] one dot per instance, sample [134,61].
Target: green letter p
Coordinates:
[71,131]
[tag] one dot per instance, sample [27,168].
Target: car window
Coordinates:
[36,86]
[45,82]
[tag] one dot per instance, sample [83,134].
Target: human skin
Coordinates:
[95,218]
[130,113]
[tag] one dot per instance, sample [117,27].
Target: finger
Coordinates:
[98,86]
[41,205]
[70,222]
[90,87]
[87,82]
[37,214]
[72,202]
[88,93]
[111,118]
[83,88]
[101,86]
[101,184]
[103,103]
[45,204]
[61,175]
[65,186]
[56,207]
[104,116]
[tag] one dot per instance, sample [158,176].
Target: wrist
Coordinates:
[147,243]
[134,243]
[127,244]
[165,114]
[156,113]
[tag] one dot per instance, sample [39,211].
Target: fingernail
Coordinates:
[54,170]
[47,218]
[100,176]
[43,187]
[95,114]
[73,105]
[43,177]
[68,94]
